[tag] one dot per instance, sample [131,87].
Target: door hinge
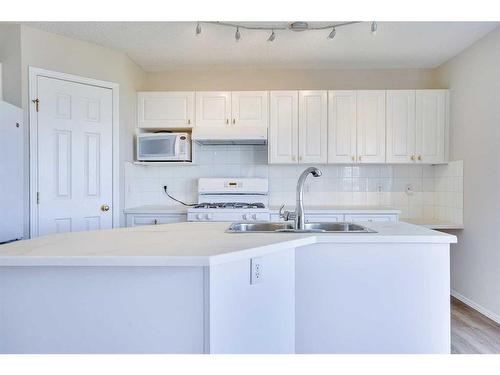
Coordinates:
[37,197]
[37,103]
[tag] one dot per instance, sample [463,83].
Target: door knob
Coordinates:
[104,208]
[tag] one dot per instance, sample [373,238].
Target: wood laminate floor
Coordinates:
[472,332]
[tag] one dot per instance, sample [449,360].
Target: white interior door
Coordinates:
[430,125]
[313,127]
[74,156]
[284,127]
[165,109]
[250,108]
[341,126]
[400,128]
[213,108]
[371,126]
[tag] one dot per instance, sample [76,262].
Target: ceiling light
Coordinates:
[332,33]
[272,37]
[198,29]
[237,35]
[373,27]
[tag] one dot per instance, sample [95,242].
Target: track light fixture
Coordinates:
[272,37]
[332,33]
[293,26]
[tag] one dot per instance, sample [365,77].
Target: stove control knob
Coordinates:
[199,216]
[254,216]
[208,216]
[245,217]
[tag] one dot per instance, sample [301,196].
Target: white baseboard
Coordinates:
[476,307]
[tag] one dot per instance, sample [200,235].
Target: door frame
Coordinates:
[34,73]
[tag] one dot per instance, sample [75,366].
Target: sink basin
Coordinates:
[287,227]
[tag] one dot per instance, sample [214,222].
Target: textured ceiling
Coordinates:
[159,46]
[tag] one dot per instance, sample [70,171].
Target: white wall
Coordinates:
[10,56]
[474,81]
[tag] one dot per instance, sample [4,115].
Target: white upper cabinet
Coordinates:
[400,126]
[341,126]
[313,127]
[370,116]
[284,127]
[157,109]
[250,108]
[213,108]
[431,126]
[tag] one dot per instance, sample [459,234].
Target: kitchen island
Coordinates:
[192,288]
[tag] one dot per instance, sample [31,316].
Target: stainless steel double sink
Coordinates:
[288,227]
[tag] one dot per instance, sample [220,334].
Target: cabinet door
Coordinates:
[213,108]
[431,117]
[400,126]
[313,127]
[370,113]
[165,109]
[284,127]
[250,108]
[341,126]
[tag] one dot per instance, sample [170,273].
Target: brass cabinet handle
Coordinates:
[234,121]
[353,158]
[412,157]
[227,121]
[420,157]
[104,208]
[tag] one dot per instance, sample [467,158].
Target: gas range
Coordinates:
[231,199]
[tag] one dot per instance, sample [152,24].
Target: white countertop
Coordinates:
[188,244]
[343,209]
[164,209]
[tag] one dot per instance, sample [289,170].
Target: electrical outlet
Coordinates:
[255,271]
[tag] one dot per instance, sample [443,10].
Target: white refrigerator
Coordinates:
[11,172]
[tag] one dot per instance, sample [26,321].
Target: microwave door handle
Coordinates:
[176,146]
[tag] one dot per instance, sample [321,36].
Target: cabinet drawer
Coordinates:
[324,218]
[144,219]
[375,217]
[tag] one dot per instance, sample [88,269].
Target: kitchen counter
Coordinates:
[192,288]
[189,244]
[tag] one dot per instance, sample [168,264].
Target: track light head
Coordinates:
[332,33]
[373,27]
[237,35]
[198,29]
[272,37]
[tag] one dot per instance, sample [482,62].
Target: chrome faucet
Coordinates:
[298,214]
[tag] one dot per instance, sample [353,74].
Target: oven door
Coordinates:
[157,147]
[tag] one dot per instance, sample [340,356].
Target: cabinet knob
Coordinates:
[189,121]
[353,158]
[234,121]
[156,221]
[104,208]
[412,157]
[227,121]
[359,158]
[300,158]
[420,157]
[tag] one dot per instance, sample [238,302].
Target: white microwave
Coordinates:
[164,147]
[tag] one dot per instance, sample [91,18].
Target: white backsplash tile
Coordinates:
[437,190]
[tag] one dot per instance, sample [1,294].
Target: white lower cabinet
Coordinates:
[371,217]
[332,217]
[134,220]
